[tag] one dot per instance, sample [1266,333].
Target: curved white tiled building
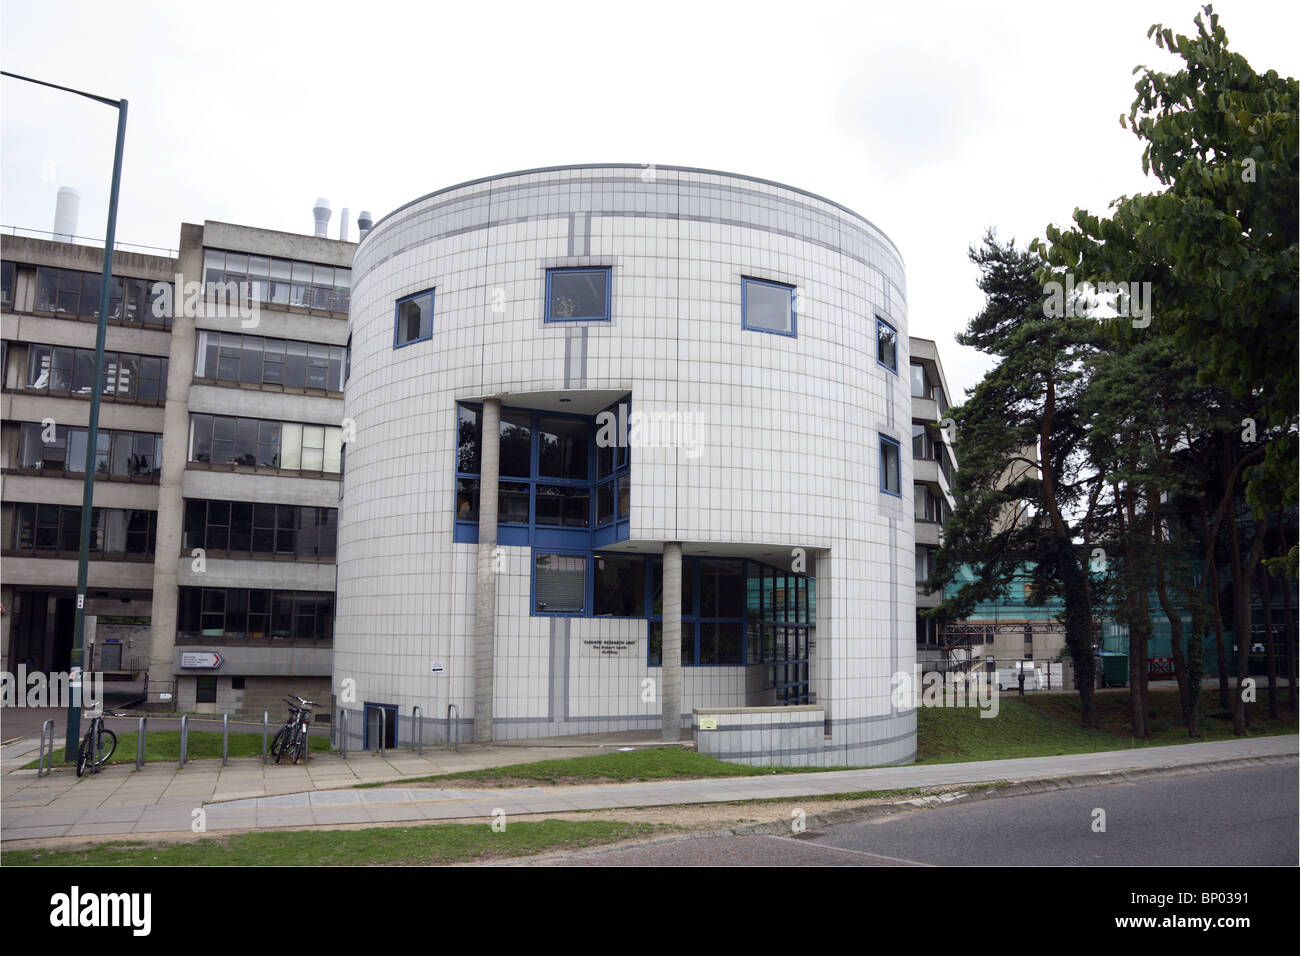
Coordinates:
[682,362]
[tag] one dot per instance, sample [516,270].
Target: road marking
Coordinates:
[841,849]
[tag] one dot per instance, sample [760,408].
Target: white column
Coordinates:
[485,622]
[671,690]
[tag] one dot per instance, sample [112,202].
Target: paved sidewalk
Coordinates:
[160,801]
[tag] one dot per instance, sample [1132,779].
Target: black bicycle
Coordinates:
[292,739]
[96,747]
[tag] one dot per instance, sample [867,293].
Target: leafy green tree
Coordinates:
[1219,243]
[1019,510]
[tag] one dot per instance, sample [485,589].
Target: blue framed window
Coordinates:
[578,295]
[565,480]
[891,482]
[414,319]
[886,345]
[767,307]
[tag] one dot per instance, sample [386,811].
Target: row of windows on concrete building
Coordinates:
[585,295]
[224,529]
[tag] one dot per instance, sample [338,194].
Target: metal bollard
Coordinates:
[456,725]
[417,717]
[266,724]
[185,736]
[95,743]
[41,769]
[343,733]
[225,739]
[140,746]
[383,729]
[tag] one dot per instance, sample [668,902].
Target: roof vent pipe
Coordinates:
[322,213]
[343,225]
[364,223]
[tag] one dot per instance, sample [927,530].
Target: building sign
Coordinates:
[437,667]
[203,660]
[609,646]
[708,723]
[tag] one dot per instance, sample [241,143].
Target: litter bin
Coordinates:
[1114,669]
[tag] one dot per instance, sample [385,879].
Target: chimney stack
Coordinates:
[66,208]
[343,225]
[364,222]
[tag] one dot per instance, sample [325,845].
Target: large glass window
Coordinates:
[71,292]
[253,360]
[280,281]
[131,378]
[562,448]
[414,319]
[55,530]
[253,614]
[919,388]
[619,585]
[890,476]
[767,306]
[249,442]
[119,454]
[247,529]
[886,345]
[577,294]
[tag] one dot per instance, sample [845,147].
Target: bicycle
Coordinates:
[98,740]
[292,739]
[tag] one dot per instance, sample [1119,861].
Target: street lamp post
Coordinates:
[92,432]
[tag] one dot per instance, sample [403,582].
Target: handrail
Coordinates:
[185,736]
[141,729]
[40,766]
[417,718]
[450,725]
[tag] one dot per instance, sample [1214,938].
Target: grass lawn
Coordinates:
[660,763]
[165,745]
[405,846]
[1040,726]
[1048,724]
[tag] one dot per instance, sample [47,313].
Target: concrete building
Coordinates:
[212,564]
[933,468]
[630,444]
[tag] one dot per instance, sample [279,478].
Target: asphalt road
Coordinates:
[1245,816]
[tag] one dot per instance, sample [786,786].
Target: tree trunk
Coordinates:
[1290,643]
[1241,579]
[1078,631]
[1268,642]
[1186,698]
[1220,645]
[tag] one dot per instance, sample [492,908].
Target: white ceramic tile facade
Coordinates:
[790,447]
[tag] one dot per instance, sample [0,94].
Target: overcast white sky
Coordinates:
[933,120]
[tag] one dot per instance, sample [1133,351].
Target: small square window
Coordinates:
[890,473]
[574,295]
[886,345]
[767,307]
[414,319]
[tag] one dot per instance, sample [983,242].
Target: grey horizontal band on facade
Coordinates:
[654,719]
[751,728]
[762,201]
[640,168]
[638,214]
[804,751]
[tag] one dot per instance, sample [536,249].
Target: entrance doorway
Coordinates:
[371,740]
